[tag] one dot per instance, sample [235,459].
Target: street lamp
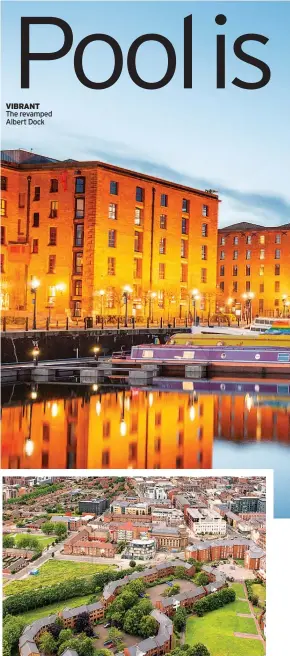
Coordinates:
[286,304]
[102,294]
[152,296]
[34,284]
[126,291]
[195,297]
[248,296]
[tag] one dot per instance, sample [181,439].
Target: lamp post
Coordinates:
[102,294]
[286,304]
[152,296]
[248,296]
[195,297]
[34,284]
[126,291]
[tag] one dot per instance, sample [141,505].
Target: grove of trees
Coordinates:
[214,601]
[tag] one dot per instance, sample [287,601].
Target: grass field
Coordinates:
[216,631]
[44,540]
[52,572]
[32,615]
[239,590]
[260,591]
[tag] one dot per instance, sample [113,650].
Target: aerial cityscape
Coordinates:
[134,565]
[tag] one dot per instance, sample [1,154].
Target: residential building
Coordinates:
[206,521]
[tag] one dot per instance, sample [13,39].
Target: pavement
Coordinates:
[238,573]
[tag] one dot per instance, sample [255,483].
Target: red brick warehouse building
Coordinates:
[85,230]
[253,263]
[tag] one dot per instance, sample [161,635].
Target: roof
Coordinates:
[195,591]
[245,226]
[11,159]
[29,647]
[69,652]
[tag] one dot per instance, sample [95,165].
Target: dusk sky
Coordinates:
[232,140]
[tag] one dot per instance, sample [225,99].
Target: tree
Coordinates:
[28,542]
[180,572]
[12,629]
[83,624]
[48,528]
[148,626]
[129,599]
[56,627]
[255,600]
[64,635]
[61,530]
[199,650]
[116,636]
[201,578]
[86,647]
[74,643]
[137,586]
[8,541]
[132,563]
[179,621]
[47,644]
[173,590]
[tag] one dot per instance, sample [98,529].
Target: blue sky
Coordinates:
[232,140]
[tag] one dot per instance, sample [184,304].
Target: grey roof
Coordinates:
[183,596]
[220,543]
[245,226]
[213,587]
[29,647]
[69,652]
[168,530]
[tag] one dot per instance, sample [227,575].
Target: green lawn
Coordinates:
[260,591]
[239,590]
[216,630]
[53,608]
[44,540]
[52,572]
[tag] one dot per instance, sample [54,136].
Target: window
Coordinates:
[80,185]
[184,273]
[222,270]
[235,255]
[236,240]
[77,308]
[163,221]
[53,209]
[34,245]
[36,193]
[185,205]
[35,220]
[112,238]
[78,287]
[79,208]
[261,288]
[106,430]
[138,242]
[203,275]
[52,236]
[78,263]
[276,302]
[3,183]
[262,254]
[261,306]
[79,235]
[277,239]
[112,211]
[222,255]
[222,286]
[139,194]
[203,252]
[205,210]
[248,285]
[184,226]
[3,235]
[161,271]
[204,230]
[21,200]
[277,286]
[2,263]
[248,255]
[137,271]
[248,270]
[262,270]
[277,254]
[277,269]
[19,227]
[160,296]
[158,418]
[138,216]
[53,185]
[3,207]
[114,188]
[262,239]
[163,200]
[248,239]
[222,241]
[111,266]
[183,248]
[110,298]
[51,263]
[235,270]
[162,246]
[235,286]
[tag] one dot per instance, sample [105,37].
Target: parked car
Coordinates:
[106,626]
